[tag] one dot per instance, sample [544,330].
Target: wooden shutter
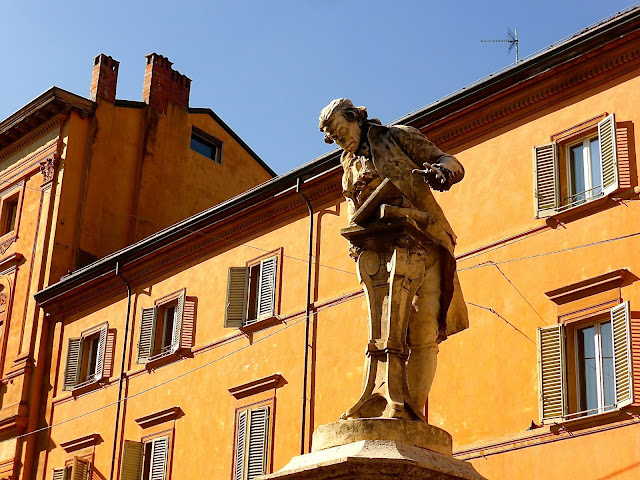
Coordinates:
[131,460]
[178,315]
[241,435]
[59,474]
[620,325]
[80,469]
[258,442]
[147,333]
[72,370]
[267,287]
[608,154]
[551,358]
[188,324]
[236,308]
[545,175]
[100,354]
[109,352]
[159,451]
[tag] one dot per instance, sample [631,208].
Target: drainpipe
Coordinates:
[305,378]
[121,381]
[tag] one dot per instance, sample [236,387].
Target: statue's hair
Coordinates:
[346,108]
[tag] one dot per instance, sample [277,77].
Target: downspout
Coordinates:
[122,367]
[305,378]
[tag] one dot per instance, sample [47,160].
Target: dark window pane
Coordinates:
[169,319]
[596,166]
[203,147]
[576,166]
[607,363]
[587,378]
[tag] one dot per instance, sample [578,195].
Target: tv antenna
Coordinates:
[512,40]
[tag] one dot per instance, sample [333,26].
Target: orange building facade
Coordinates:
[215,347]
[81,178]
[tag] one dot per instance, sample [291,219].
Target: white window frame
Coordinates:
[599,373]
[587,172]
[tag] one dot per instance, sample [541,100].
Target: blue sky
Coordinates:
[268,67]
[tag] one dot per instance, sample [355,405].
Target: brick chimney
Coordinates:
[104,78]
[163,84]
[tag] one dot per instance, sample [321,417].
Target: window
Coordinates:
[87,361]
[79,469]
[589,172]
[595,376]
[145,460]
[166,327]
[9,214]
[252,443]
[206,145]
[252,292]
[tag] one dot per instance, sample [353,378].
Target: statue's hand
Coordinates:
[433,175]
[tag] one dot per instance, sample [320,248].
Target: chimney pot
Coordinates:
[163,84]
[104,78]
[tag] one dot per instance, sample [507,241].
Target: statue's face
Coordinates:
[344,132]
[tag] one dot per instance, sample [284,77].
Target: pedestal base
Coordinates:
[408,432]
[378,459]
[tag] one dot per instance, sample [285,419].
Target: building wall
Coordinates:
[486,388]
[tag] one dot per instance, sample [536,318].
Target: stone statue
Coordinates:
[404,248]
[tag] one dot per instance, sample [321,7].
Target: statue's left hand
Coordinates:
[432,175]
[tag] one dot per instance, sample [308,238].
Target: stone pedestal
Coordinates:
[376,460]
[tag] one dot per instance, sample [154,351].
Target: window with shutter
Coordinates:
[80,469]
[252,293]
[131,464]
[252,443]
[577,167]
[87,358]
[59,474]
[599,364]
[166,328]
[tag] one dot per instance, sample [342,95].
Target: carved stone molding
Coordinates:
[48,167]
[5,244]
[258,386]
[167,415]
[81,442]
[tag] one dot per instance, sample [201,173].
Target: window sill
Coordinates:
[589,421]
[162,359]
[599,203]
[88,386]
[260,325]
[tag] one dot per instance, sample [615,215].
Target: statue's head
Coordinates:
[341,122]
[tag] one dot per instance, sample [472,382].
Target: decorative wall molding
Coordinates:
[162,416]
[588,287]
[537,97]
[7,469]
[32,137]
[48,167]
[81,442]
[258,386]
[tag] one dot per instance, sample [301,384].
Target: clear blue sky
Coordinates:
[268,67]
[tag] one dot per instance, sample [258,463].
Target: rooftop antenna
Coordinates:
[512,40]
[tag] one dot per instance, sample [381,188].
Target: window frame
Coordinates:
[568,390]
[13,194]
[209,140]
[268,452]
[251,323]
[132,464]
[102,369]
[553,187]
[588,193]
[183,321]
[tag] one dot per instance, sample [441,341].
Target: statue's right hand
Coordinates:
[432,174]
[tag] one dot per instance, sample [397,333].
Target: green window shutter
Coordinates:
[72,370]
[147,333]
[80,469]
[258,442]
[267,287]
[59,474]
[188,324]
[608,154]
[621,327]
[545,176]
[131,460]
[551,358]
[236,308]
[100,354]
[176,336]
[241,436]
[159,451]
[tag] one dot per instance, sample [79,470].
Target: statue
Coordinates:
[404,248]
